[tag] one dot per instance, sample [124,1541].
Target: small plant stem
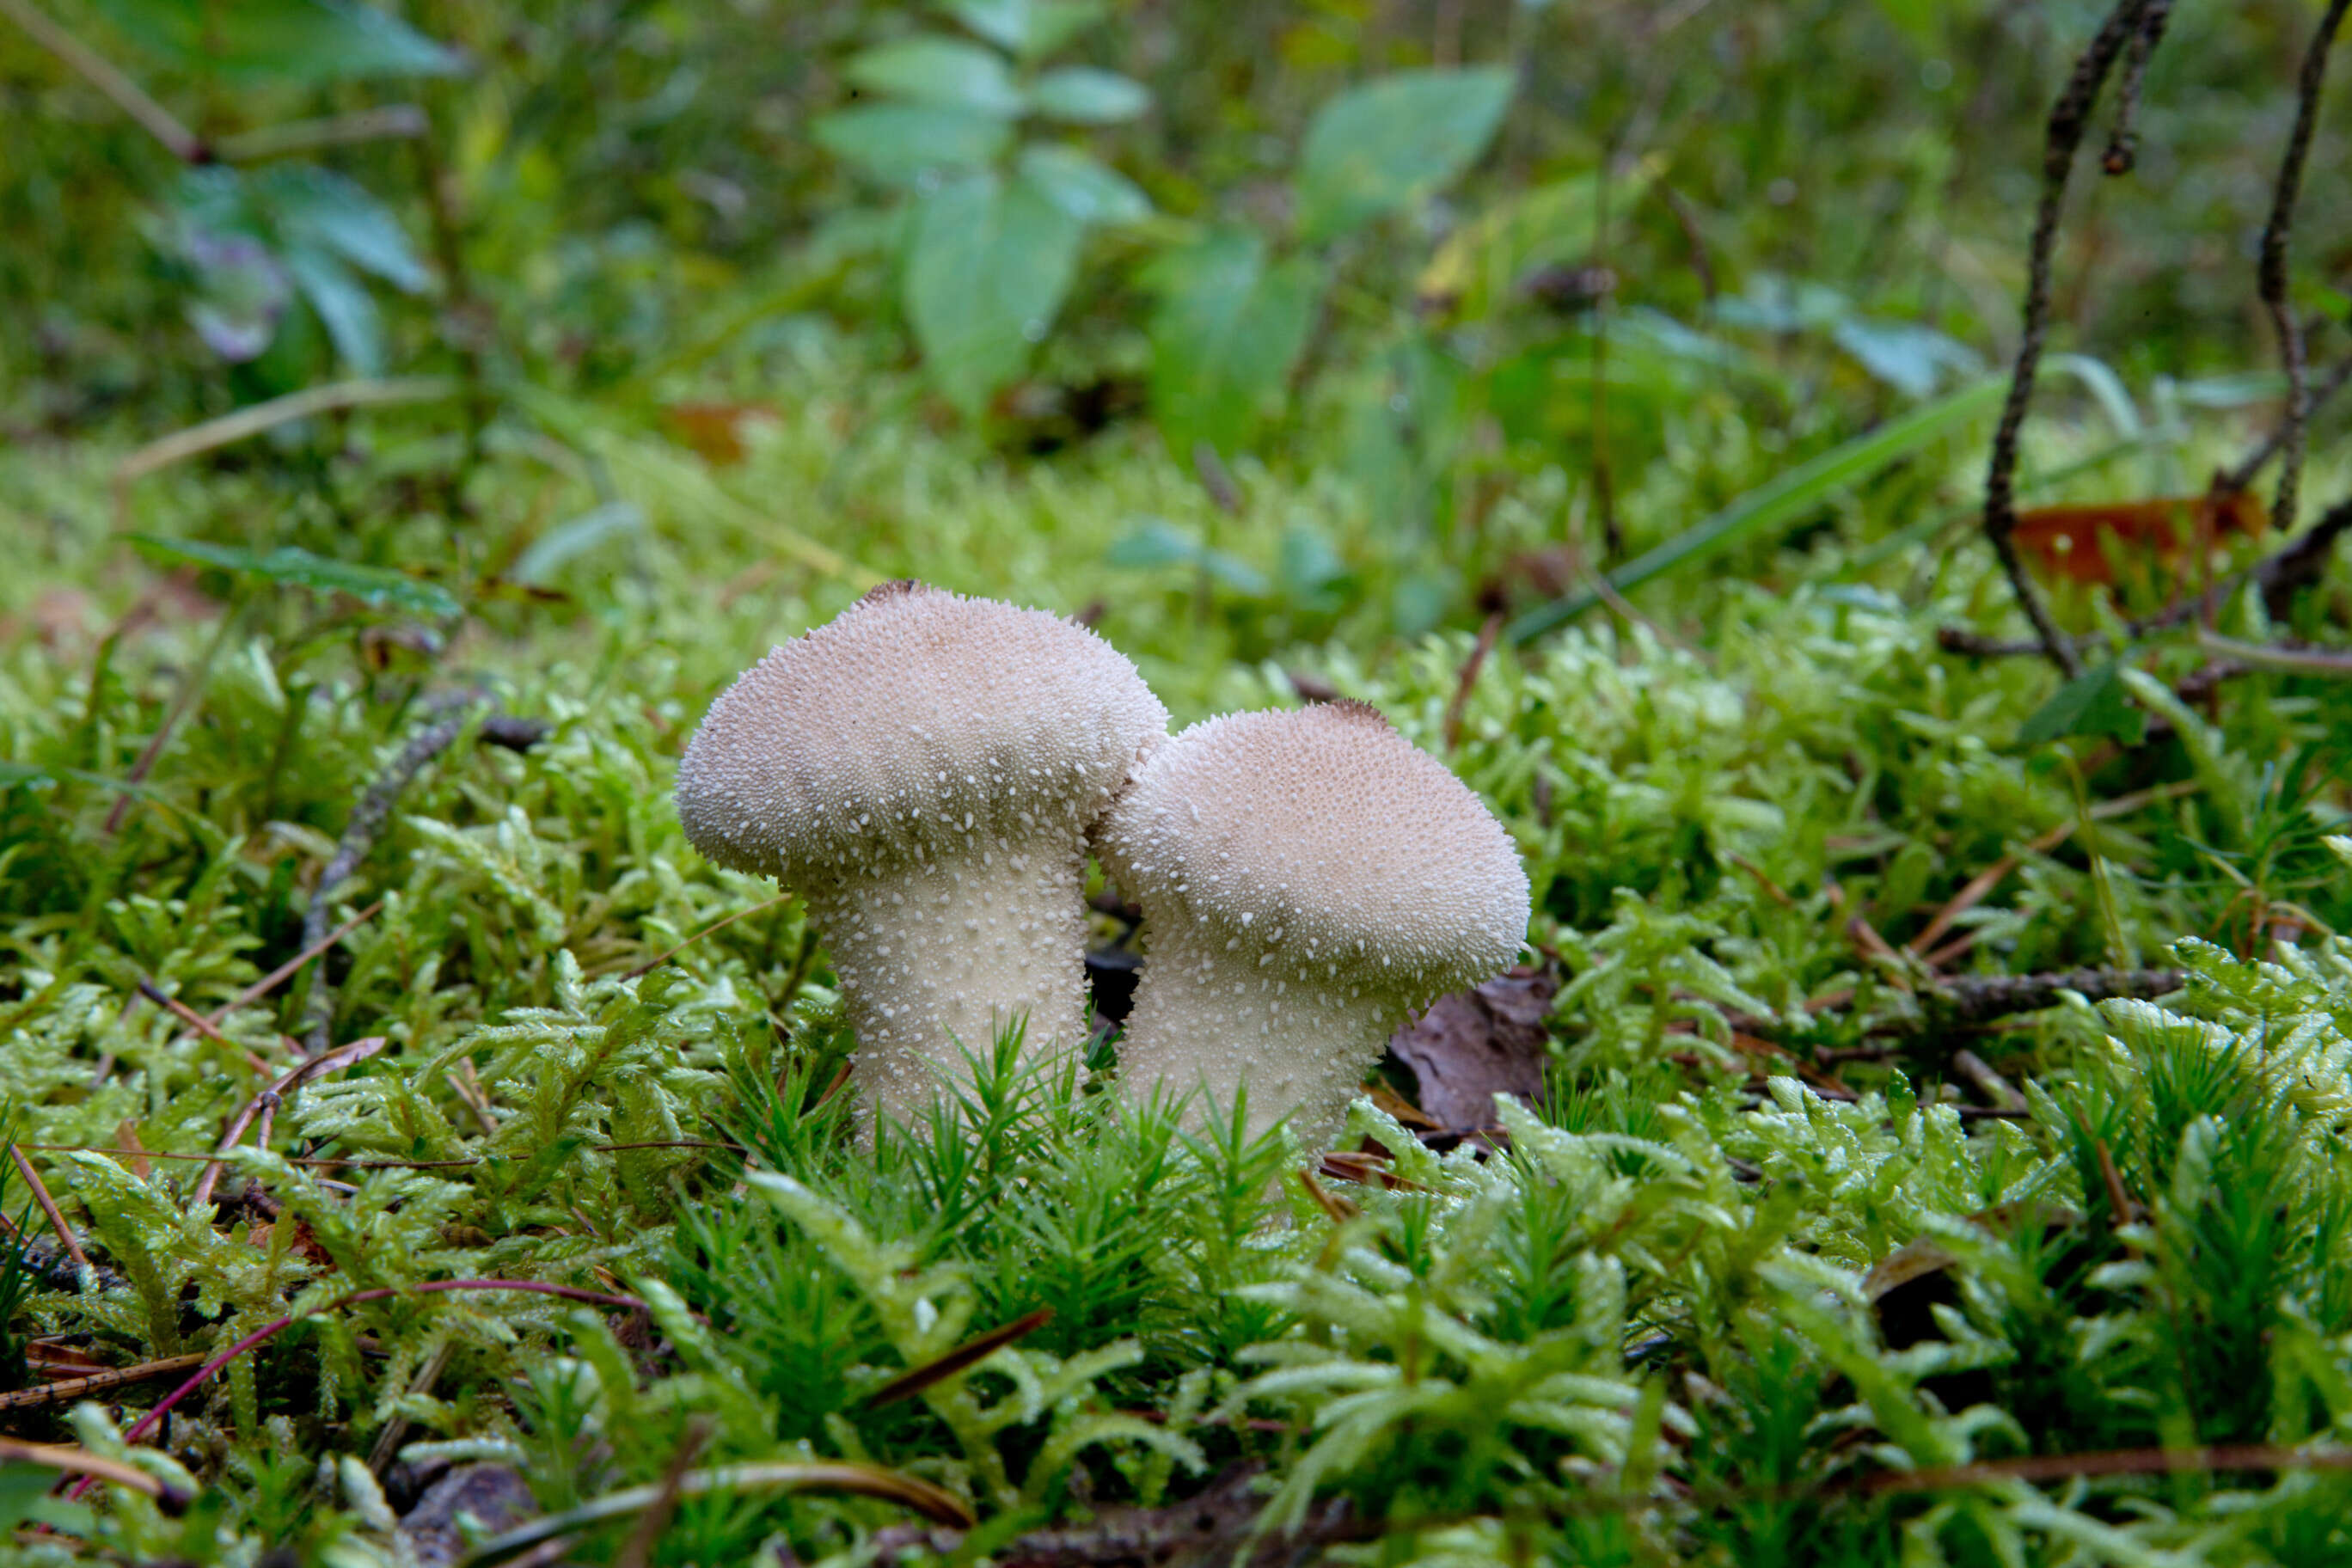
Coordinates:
[199,1022]
[292,966]
[1457,709]
[49,1207]
[102,74]
[652,964]
[192,683]
[264,1104]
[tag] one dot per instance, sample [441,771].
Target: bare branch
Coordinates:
[2069,121]
[2272,274]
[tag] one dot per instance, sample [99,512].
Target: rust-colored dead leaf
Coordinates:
[2086,543]
[714,431]
[1470,1046]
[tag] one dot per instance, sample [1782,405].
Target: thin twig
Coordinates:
[102,74]
[91,1468]
[652,964]
[67,1390]
[292,966]
[2069,119]
[1997,1090]
[191,683]
[49,1207]
[2271,272]
[2253,462]
[246,422]
[267,1101]
[1459,706]
[199,1022]
[387,122]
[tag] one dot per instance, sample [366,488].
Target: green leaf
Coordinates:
[1086,190]
[307,41]
[1030,28]
[1226,333]
[1085,95]
[379,588]
[567,541]
[947,72]
[23,776]
[1777,502]
[989,267]
[902,142]
[1377,147]
[1156,543]
[2094,703]
[344,304]
[318,210]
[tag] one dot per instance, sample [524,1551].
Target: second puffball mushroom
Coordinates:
[923,770]
[1307,877]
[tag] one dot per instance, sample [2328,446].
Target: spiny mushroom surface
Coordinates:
[923,770]
[1307,877]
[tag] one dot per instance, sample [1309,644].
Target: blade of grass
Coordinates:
[1780,501]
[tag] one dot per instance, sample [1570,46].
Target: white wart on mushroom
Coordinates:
[923,770]
[1306,879]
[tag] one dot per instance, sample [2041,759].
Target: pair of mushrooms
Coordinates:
[928,771]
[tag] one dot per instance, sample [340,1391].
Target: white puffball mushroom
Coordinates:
[1307,877]
[923,770]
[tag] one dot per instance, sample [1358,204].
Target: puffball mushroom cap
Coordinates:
[1307,877]
[916,722]
[923,770]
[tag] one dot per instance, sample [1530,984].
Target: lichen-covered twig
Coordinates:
[2123,143]
[375,809]
[2271,273]
[2069,121]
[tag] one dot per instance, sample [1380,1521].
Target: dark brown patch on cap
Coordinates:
[898,587]
[1357,708]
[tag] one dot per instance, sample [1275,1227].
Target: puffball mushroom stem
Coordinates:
[923,770]
[1208,1017]
[933,957]
[1307,877]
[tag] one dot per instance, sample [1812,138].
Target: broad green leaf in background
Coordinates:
[2094,703]
[343,305]
[281,40]
[988,269]
[1227,330]
[1155,541]
[315,209]
[902,142]
[947,72]
[379,588]
[1777,501]
[1082,94]
[1030,28]
[1377,147]
[1086,190]
[568,542]
[1908,357]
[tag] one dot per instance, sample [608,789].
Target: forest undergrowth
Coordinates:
[1917,1133]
